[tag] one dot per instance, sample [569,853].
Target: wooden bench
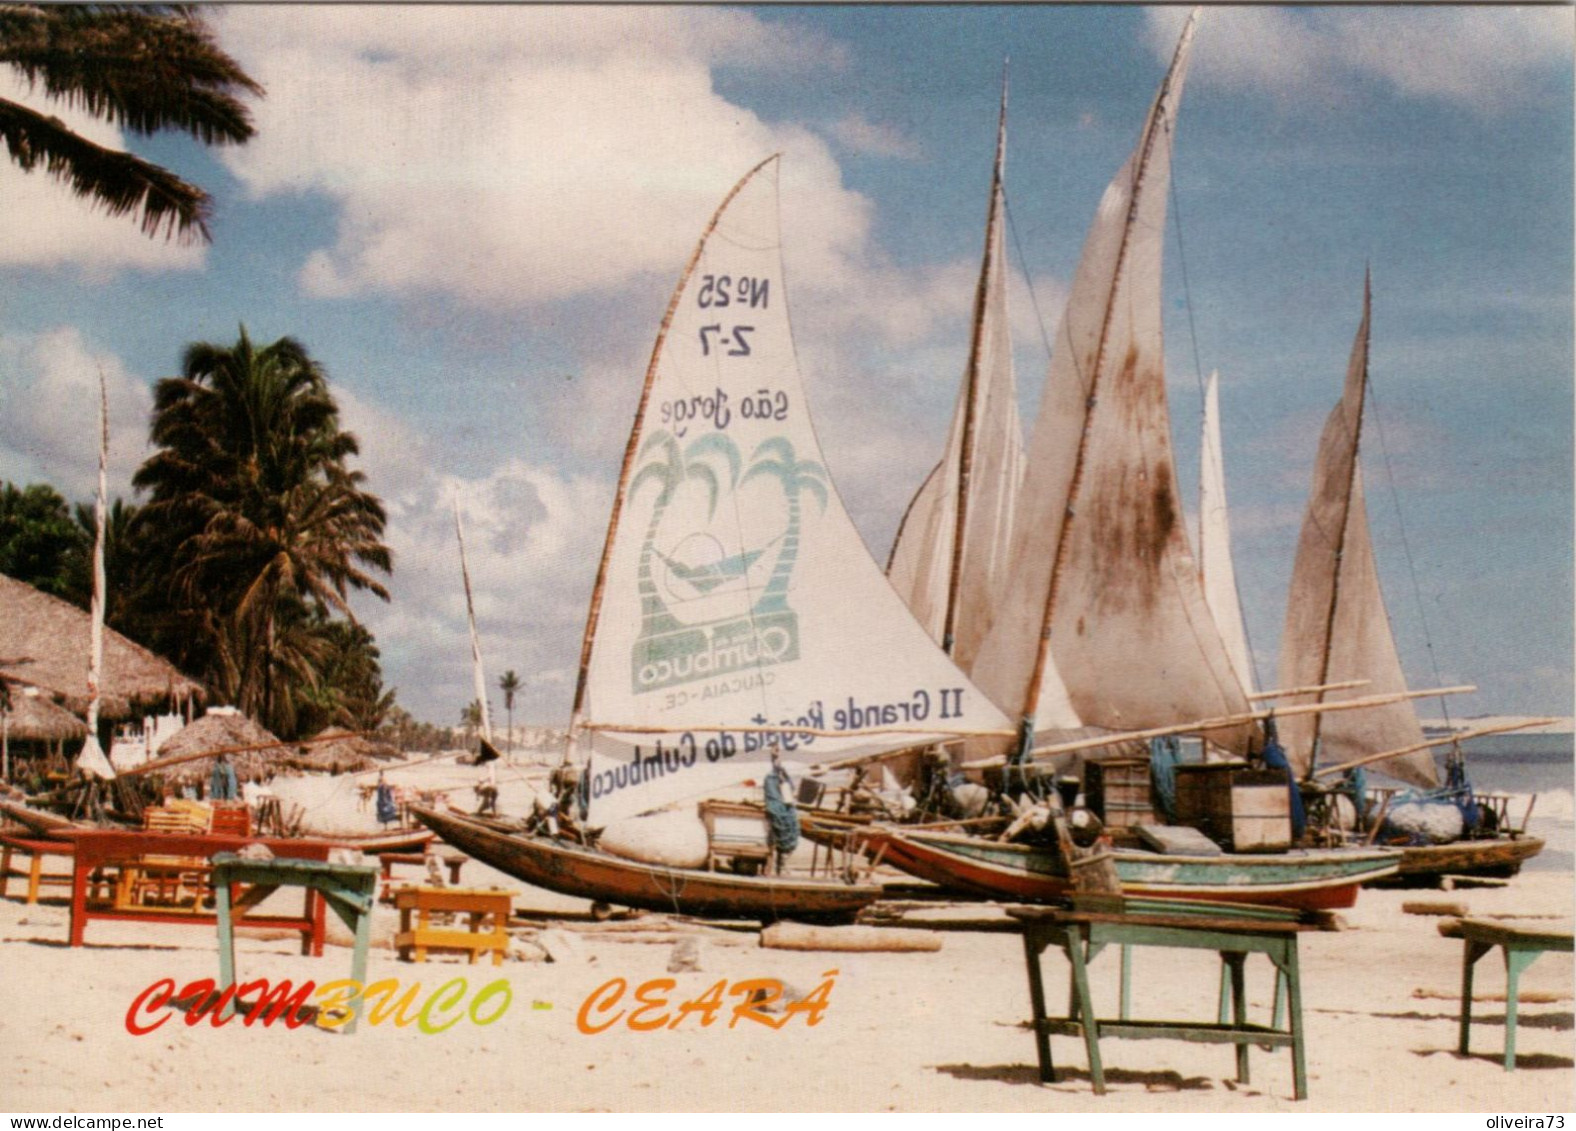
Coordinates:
[1233,930]
[479,904]
[1521,944]
[36,877]
[453,861]
[98,850]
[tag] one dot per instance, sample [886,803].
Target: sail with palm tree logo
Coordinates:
[737,612]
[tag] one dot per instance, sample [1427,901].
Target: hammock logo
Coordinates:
[328,1006]
[719,553]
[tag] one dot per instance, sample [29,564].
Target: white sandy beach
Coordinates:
[902,1031]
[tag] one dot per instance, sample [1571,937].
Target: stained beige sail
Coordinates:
[952,556]
[1336,624]
[1102,557]
[738,610]
[1214,543]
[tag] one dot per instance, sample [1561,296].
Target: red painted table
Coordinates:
[96,849]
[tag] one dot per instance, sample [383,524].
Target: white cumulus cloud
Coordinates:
[512,155]
[1480,58]
[49,401]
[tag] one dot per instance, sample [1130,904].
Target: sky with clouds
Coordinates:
[474,216]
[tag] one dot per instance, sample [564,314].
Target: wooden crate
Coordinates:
[739,835]
[1238,808]
[1117,789]
[1260,811]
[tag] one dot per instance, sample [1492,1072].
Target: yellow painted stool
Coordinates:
[479,904]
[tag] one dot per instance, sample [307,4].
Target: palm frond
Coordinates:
[141,68]
[118,182]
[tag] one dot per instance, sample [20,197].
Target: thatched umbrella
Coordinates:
[335,750]
[45,641]
[33,717]
[221,729]
[27,715]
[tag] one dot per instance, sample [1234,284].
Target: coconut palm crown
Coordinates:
[144,68]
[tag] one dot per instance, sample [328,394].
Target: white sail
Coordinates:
[952,556]
[737,609]
[1214,543]
[92,760]
[1102,558]
[478,676]
[1336,624]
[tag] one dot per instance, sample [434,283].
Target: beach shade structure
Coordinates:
[45,642]
[31,721]
[335,750]
[34,717]
[187,757]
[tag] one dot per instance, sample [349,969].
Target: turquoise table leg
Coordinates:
[358,960]
[1299,1059]
[221,891]
[1087,1015]
[1127,981]
[1223,1013]
[1516,960]
[1278,1018]
[1032,945]
[1236,961]
[1473,952]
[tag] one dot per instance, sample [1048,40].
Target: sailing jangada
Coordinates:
[1104,621]
[726,539]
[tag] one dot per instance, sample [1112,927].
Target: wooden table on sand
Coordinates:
[97,849]
[1231,929]
[35,849]
[1521,944]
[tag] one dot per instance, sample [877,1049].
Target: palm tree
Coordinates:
[509,683]
[471,718]
[670,470]
[255,507]
[794,475]
[145,68]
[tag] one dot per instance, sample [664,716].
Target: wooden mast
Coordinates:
[476,643]
[1346,514]
[971,394]
[593,614]
[1146,151]
[92,760]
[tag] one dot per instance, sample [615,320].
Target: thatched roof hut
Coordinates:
[34,717]
[335,750]
[45,642]
[221,729]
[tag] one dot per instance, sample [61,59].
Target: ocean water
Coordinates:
[1526,765]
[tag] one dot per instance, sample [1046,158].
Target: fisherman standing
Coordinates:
[221,781]
[781,814]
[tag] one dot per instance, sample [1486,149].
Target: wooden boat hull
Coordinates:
[401,840]
[1314,879]
[37,821]
[1499,858]
[589,874]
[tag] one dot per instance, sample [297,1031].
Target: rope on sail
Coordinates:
[1028,277]
[1406,548]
